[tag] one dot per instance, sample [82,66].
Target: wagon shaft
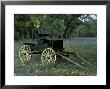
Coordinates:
[76,56]
[71,61]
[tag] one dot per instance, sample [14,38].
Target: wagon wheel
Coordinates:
[48,56]
[25,53]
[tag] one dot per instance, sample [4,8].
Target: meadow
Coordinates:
[85,47]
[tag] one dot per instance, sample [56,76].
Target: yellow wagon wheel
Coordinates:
[48,56]
[25,53]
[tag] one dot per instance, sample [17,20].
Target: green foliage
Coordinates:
[87,30]
[16,36]
[58,25]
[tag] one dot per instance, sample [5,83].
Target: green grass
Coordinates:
[85,47]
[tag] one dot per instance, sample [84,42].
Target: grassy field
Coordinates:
[85,47]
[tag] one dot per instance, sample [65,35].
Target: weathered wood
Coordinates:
[71,61]
[76,56]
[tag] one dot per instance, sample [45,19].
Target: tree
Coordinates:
[59,25]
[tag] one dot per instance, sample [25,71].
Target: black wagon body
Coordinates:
[43,42]
[44,45]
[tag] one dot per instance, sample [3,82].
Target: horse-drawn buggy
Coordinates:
[49,48]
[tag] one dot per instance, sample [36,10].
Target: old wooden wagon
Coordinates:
[49,49]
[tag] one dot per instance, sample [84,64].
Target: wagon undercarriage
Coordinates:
[49,56]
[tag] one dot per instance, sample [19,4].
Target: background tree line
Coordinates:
[58,25]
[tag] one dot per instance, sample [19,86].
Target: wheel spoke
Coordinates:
[53,60]
[44,53]
[50,51]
